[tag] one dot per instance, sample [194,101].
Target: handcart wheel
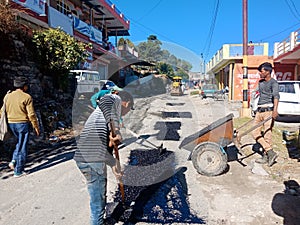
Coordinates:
[209,159]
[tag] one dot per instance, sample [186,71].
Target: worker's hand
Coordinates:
[118,173]
[274,114]
[114,141]
[37,131]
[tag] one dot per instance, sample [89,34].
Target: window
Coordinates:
[287,88]
[97,77]
[84,76]
[62,7]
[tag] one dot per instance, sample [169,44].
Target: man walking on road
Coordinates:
[267,107]
[93,150]
[20,111]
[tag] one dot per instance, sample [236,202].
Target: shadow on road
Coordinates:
[58,153]
[287,204]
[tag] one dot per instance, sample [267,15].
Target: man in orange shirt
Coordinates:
[20,112]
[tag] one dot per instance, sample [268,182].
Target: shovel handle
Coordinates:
[116,152]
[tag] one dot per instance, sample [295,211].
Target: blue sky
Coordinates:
[192,27]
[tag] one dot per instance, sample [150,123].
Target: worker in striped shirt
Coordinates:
[93,152]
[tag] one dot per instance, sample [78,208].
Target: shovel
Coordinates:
[115,210]
[161,149]
[116,152]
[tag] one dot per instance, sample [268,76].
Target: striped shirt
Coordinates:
[92,145]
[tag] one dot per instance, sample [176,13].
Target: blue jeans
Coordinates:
[21,132]
[95,174]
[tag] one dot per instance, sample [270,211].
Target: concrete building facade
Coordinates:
[227,64]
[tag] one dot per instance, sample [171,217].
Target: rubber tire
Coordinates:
[208,159]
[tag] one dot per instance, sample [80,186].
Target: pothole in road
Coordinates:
[165,201]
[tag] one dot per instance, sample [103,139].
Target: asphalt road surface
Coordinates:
[161,188]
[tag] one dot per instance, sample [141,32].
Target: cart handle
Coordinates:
[252,128]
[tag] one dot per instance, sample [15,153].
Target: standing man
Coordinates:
[94,152]
[20,112]
[267,107]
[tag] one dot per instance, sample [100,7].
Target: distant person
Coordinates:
[96,97]
[267,107]
[250,48]
[104,91]
[226,89]
[20,112]
[94,152]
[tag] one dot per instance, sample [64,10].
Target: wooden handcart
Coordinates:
[208,146]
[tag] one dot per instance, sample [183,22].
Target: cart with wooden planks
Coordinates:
[208,146]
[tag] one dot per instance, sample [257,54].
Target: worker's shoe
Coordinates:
[271,157]
[12,164]
[17,175]
[263,159]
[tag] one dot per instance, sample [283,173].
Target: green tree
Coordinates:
[165,68]
[130,44]
[57,53]
[165,55]
[121,42]
[182,73]
[184,65]
[150,50]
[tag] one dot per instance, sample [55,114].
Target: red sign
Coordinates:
[285,71]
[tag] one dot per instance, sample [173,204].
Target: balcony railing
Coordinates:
[71,23]
[58,19]
[288,44]
[128,49]
[235,51]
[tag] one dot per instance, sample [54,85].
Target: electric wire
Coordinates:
[149,11]
[154,32]
[295,11]
[295,8]
[274,35]
[207,45]
[208,42]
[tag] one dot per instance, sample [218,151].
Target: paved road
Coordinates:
[55,192]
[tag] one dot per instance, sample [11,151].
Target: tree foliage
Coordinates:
[165,68]
[151,51]
[182,73]
[57,53]
[123,41]
[8,23]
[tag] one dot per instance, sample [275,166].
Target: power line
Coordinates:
[273,35]
[147,13]
[295,8]
[211,31]
[154,32]
[293,11]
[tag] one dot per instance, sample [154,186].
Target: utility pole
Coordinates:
[203,70]
[245,109]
